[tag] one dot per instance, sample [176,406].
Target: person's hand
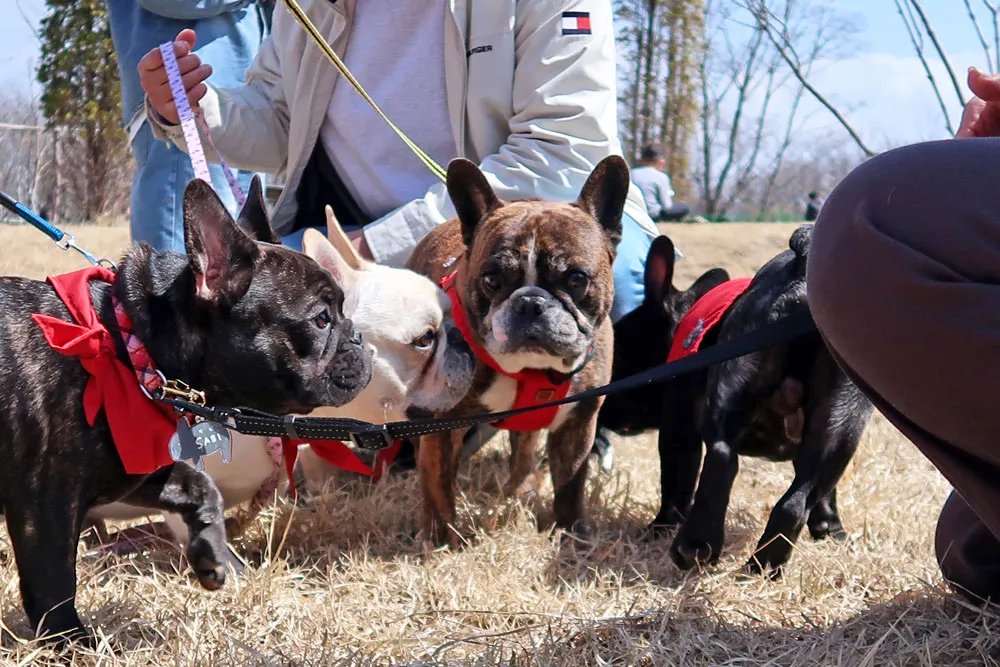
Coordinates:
[357,239]
[981,117]
[153,76]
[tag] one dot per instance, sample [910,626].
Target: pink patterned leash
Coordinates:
[190,128]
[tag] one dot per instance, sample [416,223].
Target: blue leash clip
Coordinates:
[64,240]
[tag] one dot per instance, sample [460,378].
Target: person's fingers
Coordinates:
[186,36]
[193,78]
[196,93]
[189,63]
[970,118]
[984,86]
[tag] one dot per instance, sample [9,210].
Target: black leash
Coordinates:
[379,436]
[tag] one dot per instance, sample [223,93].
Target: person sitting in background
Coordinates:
[231,31]
[654,183]
[813,206]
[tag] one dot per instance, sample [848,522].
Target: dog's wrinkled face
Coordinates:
[420,363]
[276,335]
[538,274]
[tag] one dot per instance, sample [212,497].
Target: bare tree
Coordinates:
[752,88]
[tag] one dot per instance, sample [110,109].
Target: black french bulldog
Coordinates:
[789,402]
[248,322]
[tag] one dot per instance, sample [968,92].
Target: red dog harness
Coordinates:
[141,429]
[703,316]
[533,386]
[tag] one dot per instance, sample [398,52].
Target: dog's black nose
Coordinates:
[455,338]
[530,305]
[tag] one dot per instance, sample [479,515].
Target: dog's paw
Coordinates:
[754,569]
[688,551]
[208,562]
[828,529]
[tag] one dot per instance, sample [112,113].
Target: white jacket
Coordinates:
[535,108]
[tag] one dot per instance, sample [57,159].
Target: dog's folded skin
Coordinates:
[534,279]
[249,323]
[786,402]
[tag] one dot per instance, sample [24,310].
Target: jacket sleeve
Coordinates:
[186,9]
[248,123]
[564,122]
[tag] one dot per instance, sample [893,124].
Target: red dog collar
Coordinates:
[703,316]
[140,428]
[533,386]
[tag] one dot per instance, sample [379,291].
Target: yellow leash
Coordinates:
[300,16]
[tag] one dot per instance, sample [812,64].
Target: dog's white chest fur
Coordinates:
[502,392]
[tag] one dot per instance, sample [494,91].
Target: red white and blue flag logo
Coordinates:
[576,23]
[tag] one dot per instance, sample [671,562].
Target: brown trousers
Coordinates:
[904,283]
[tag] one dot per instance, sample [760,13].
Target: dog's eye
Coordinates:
[491,282]
[425,341]
[577,280]
[322,320]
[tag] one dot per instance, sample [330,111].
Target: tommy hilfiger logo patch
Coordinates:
[576,23]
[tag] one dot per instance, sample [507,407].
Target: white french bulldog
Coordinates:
[420,363]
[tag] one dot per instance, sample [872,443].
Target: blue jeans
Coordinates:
[162,172]
[629,267]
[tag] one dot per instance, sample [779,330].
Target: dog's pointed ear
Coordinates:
[659,273]
[219,253]
[335,233]
[319,248]
[472,196]
[253,217]
[603,196]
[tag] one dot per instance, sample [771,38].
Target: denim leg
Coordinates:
[629,268]
[294,240]
[162,172]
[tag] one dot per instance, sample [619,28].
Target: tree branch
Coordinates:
[979,31]
[918,48]
[937,45]
[760,13]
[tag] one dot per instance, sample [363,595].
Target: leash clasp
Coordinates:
[68,242]
[372,436]
[183,391]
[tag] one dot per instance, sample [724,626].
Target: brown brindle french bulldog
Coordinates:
[534,281]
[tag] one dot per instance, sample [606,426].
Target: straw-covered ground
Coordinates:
[346,584]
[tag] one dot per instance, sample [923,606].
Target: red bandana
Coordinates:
[339,455]
[705,314]
[141,429]
[533,386]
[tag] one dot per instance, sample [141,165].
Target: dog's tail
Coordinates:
[799,243]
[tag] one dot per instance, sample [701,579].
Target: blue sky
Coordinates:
[883,88]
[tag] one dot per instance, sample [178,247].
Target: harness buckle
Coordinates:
[371,436]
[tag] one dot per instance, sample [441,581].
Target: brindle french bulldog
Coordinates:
[248,322]
[535,283]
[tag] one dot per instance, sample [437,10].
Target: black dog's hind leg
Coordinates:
[833,430]
[680,457]
[700,538]
[45,552]
[181,489]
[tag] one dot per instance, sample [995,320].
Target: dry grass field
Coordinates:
[345,583]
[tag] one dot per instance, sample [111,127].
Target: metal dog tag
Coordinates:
[183,445]
[211,437]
